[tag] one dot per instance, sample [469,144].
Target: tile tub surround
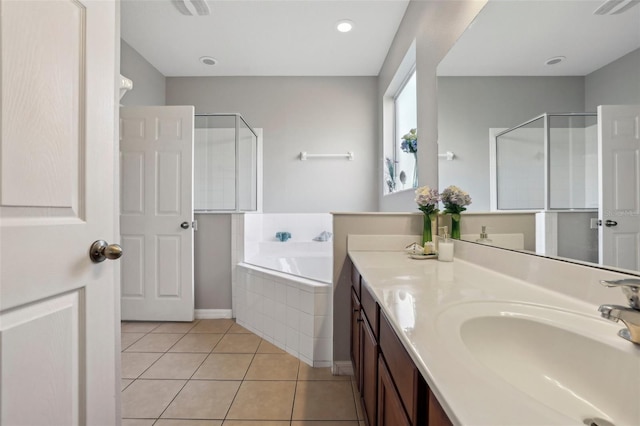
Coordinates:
[290,312]
[414,293]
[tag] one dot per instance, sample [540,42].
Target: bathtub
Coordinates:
[283,293]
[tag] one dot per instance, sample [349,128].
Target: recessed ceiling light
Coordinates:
[208,60]
[554,60]
[344,26]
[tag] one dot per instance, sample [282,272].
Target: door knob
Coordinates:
[184,225]
[610,223]
[100,251]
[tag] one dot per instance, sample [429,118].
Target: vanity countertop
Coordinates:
[425,299]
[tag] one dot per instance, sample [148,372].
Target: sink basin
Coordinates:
[572,363]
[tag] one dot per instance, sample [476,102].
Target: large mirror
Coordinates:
[517,61]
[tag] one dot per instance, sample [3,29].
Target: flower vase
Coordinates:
[455,226]
[426,230]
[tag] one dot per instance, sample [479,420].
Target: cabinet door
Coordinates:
[437,416]
[390,409]
[369,371]
[355,337]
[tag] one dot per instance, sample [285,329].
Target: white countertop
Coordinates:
[416,296]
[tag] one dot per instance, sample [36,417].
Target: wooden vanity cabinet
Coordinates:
[390,408]
[392,390]
[369,314]
[355,348]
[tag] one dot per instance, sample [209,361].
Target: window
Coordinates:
[400,157]
[406,122]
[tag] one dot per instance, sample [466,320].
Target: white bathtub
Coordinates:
[314,267]
[283,294]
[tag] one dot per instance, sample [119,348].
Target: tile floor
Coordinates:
[215,372]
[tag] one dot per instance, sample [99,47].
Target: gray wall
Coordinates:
[617,83]
[313,114]
[469,106]
[212,260]
[148,82]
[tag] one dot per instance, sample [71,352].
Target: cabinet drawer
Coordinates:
[409,383]
[355,280]
[370,308]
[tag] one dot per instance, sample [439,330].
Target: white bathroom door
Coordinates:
[619,175]
[156,212]
[59,331]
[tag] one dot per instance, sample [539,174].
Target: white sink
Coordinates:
[572,363]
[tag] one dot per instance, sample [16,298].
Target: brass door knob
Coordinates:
[101,250]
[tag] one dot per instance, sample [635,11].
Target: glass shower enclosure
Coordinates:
[226,174]
[548,163]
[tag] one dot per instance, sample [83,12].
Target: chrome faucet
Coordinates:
[629,316]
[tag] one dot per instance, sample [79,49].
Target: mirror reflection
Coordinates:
[534,73]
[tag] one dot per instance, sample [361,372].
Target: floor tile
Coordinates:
[138,422]
[263,400]
[127,339]
[197,342]
[255,423]
[124,383]
[324,400]
[174,327]
[224,367]
[160,342]
[184,422]
[273,367]
[324,423]
[174,366]
[203,399]
[237,328]
[269,348]
[314,373]
[148,398]
[137,327]
[238,343]
[213,326]
[135,363]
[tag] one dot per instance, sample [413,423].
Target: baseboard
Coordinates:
[342,368]
[213,313]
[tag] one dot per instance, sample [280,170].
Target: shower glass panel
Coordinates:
[573,162]
[225,164]
[548,163]
[520,167]
[247,167]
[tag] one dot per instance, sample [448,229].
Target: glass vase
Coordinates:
[426,230]
[455,226]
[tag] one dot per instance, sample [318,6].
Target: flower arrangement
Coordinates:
[410,142]
[391,174]
[427,200]
[454,200]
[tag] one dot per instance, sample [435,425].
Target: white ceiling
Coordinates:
[264,37]
[515,37]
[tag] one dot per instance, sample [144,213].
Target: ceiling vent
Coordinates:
[615,7]
[192,7]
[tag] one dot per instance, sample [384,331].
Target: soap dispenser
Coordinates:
[484,237]
[445,246]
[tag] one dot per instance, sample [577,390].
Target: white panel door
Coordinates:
[156,212]
[619,174]
[59,331]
